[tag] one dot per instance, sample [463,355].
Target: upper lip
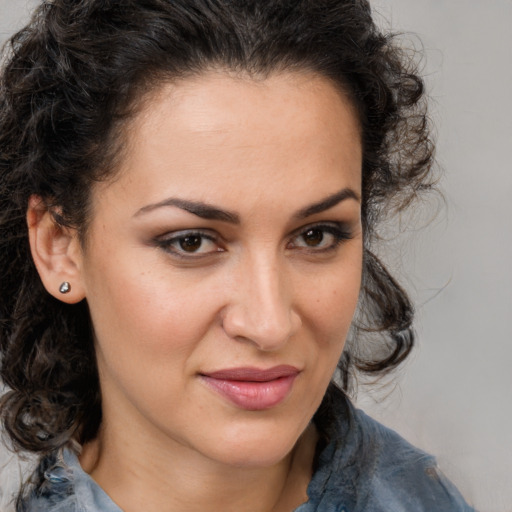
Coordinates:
[251,374]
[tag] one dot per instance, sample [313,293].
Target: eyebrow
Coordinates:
[327,203]
[203,210]
[210,212]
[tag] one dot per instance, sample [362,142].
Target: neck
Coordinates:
[154,476]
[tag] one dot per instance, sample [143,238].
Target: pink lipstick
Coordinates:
[253,389]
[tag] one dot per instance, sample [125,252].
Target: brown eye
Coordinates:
[320,238]
[313,237]
[191,243]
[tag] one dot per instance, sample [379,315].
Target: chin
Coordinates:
[254,459]
[263,449]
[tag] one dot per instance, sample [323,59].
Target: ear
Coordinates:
[56,252]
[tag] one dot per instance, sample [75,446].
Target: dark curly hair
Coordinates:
[78,71]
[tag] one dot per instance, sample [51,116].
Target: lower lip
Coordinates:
[253,396]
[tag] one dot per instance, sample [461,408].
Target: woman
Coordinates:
[190,194]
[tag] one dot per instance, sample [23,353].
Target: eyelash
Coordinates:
[167,244]
[338,231]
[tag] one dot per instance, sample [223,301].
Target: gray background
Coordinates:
[453,397]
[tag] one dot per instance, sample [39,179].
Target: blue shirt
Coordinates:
[363,467]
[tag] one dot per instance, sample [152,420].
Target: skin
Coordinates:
[261,292]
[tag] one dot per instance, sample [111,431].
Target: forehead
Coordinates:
[220,132]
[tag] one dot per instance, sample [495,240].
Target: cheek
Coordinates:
[330,301]
[144,315]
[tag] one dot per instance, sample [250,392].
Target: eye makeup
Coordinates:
[321,237]
[197,244]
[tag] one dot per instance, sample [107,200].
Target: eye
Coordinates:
[313,237]
[189,244]
[320,237]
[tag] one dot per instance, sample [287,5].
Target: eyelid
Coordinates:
[167,240]
[343,227]
[340,230]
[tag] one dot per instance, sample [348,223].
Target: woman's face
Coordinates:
[222,265]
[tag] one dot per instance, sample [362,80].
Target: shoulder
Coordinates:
[403,476]
[52,488]
[61,485]
[367,466]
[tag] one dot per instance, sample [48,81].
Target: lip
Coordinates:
[253,389]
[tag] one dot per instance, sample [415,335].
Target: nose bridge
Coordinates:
[262,308]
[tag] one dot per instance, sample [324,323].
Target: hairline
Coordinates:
[142,96]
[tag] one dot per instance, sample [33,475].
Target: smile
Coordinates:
[253,389]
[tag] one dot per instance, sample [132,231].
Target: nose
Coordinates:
[260,308]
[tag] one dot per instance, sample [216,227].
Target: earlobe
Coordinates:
[56,252]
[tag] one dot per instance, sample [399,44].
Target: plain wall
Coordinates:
[452,398]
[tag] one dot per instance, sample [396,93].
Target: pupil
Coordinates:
[190,243]
[313,237]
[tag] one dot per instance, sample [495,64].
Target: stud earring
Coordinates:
[65,287]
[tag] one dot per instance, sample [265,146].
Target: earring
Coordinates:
[65,287]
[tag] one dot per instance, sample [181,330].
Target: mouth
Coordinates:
[253,389]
